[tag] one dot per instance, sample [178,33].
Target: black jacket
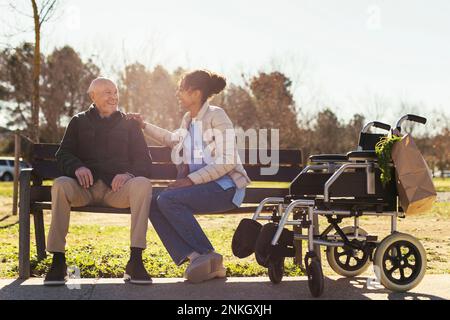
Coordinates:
[107,146]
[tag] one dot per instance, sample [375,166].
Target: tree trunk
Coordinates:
[36,74]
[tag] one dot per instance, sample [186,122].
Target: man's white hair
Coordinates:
[98,81]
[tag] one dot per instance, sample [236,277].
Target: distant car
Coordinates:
[445,174]
[7,168]
[442,174]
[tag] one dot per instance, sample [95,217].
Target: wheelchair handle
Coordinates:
[410,117]
[376,124]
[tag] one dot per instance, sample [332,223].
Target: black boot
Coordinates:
[135,271]
[57,276]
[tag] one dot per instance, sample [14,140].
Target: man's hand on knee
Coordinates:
[119,180]
[84,176]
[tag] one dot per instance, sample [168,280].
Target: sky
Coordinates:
[345,54]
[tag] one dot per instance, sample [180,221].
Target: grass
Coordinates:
[6,189]
[442,184]
[98,244]
[103,250]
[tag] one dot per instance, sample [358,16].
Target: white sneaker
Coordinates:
[205,267]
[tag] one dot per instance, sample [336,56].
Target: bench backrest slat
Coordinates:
[47,170]
[288,167]
[44,151]
[43,162]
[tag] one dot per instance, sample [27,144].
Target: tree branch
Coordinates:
[50,6]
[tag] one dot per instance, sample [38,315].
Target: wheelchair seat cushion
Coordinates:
[264,251]
[357,205]
[362,155]
[328,158]
[244,238]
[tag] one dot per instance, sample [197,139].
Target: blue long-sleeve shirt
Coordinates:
[196,147]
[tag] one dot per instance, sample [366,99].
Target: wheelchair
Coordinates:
[336,187]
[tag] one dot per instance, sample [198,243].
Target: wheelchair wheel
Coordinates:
[401,261]
[315,275]
[346,261]
[276,270]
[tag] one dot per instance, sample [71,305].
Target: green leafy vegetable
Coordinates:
[383,150]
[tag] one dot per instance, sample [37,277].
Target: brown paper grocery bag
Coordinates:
[414,181]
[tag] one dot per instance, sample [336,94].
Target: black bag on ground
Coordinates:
[244,238]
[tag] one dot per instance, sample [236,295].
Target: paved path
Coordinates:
[259,288]
[443,197]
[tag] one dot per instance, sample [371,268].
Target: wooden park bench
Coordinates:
[34,197]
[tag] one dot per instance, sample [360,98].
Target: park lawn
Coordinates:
[99,243]
[442,184]
[6,188]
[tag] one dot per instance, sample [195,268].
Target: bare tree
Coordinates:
[42,12]
[375,107]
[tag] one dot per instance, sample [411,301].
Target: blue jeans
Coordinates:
[172,216]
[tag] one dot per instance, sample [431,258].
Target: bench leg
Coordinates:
[24,224]
[24,242]
[39,231]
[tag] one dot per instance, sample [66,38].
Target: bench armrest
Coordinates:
[25,176]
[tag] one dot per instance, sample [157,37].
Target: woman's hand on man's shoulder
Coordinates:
[137,117]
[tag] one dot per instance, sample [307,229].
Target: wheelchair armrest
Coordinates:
[328,158]
[366,155]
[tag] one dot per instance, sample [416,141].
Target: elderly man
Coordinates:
[104,161]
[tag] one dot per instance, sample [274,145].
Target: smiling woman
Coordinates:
[218,175]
